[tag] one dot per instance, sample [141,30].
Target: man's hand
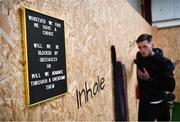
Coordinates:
[143,75]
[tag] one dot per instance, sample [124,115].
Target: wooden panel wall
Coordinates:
[91,27]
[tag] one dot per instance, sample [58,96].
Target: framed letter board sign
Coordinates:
[44,53]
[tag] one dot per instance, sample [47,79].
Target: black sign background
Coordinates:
[34,35]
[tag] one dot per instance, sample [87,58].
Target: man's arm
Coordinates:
[168,76]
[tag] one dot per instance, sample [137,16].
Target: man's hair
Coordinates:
[144,37]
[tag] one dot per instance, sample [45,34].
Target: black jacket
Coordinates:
[161,78]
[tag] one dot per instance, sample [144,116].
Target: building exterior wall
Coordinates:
[91,27]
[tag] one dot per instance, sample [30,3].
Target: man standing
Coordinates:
[155,78]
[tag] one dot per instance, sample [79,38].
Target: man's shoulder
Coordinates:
[165,62]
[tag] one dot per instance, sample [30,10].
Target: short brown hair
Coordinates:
[144,37]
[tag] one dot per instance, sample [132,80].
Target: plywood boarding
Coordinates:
[91,27]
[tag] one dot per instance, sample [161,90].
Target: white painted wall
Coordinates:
[165,13]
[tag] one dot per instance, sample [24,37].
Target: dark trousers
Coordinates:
[152,112]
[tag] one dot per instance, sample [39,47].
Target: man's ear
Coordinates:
[153,45]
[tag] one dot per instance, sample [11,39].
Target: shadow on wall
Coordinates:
[120,88]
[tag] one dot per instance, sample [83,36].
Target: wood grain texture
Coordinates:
[91,27]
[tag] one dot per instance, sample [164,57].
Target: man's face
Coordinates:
[145,48]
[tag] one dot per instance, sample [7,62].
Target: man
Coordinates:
[155,78]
